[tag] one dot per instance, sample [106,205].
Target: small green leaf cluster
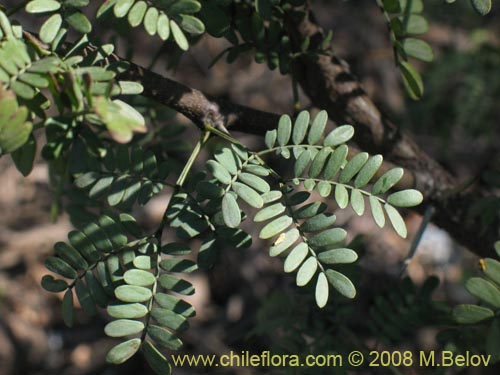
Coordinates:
[133,280]
[327,168]
[122,177]
[81,90]
[197,210]
[405,20]
[162,18]
[487,290]
[15,127]
[257,27]
[304,232]
[62,14]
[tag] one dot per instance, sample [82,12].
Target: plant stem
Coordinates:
[192,157]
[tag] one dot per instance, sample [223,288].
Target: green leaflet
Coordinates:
[227,158]
[59,266]
[78,21]
[175,284]
[492,270]
[341,283]
[300,127]
[317,128]
[419,49]
[175,304]
[416,24]
[139,277]
[484,290]
[50,28]
[120,118]
[328,238]
[163,26]
[178,265]
[412,6]
[471,314]
[256,170]
[318,222]
[42,6]
[302,162]
[68,309]
[249,195]
[155,359]
[179,36]
[335,162]
[483,7]
[192,24]
[123,327]
[132,293]
[352,167]
[71,256]
[338,256]
[269,212]
[123,351]
[319,161]
[368,171]
[175,248]
[271,196]
[270,138]
[377,211]
[284,241]
[122,7]
[405,198]
[306,271]
[137,13]
[231,211]
[169,319]
[339,135]
[275,227]
[24,156]
[321,291]
[50,284]
[387,181]
[219,172]
[143,262]
[309,184]
[163,337]
[284,130]
[324,188]
[184,6]
[341,196]
[310,210]
[357,202]
[15,128]
[296,257]
[127,310]
[412,80]
[255,182]
[396,220]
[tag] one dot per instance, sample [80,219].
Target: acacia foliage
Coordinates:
[104,160]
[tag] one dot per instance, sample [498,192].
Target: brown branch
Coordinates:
[199,107]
